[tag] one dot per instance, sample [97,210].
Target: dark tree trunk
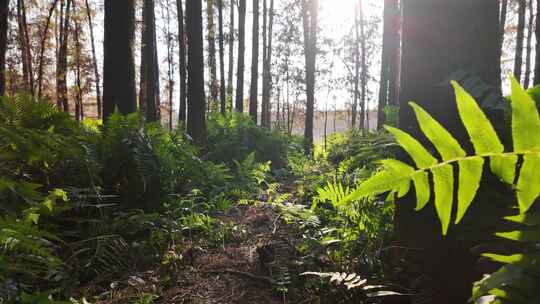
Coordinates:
[518,59]
[97,78]
[196,123]
[118,63]
[222,96]
[430,29]
[170,62]
[268,81]
[254,90]
[79,107]
[231,57]
[264,106]
[537,54]
[182,61]
[61,65]
[239,102]
[26,51]
[530,28]
[502,20]
[149,89]
[4,10]
[214,87]
[310,15]
[44,36]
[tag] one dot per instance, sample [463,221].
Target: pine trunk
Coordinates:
[530,28]
[182,61]
[61,65]
[44,36]
[254,89]
[231,57]
[4,12]
[222,93]
[196,123]
[79,107]
[118,63]
[264,106]
[310,16]
[518,59]
[502,20]
[149,89]
[364,121]
[239,101]
[356,93]
[97,77]
[214,87]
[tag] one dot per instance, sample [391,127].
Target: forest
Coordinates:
[269,151]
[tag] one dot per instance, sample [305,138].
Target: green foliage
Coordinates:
[396,177]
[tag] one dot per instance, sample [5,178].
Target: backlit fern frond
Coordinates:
[437,173]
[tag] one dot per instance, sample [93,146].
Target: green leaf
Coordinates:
[443,180]
[423,191]
[448,147]
[505,259]
[521,236]
[525,120]
[529,219]
[470,174]
[528,186]
[418,153]
[479,128]
[504,167]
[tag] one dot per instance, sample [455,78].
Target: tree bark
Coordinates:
[118,63]
[309,15]
[356,93]
[239,101]
[430,29]
[182,61]
[537,54]
[254,90]
[530,28]
[214,87]
[170,62]
[222,96]
[97,77]
[196,123]
[44,36]
[267,66]
[4,12]
[61,65]
[79,107]
[149,88]
[502,20]
[264,106]
[518,59]
[364,75]
[231,57]
[26,51]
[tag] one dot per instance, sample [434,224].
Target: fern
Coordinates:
[355,281]
[396,177]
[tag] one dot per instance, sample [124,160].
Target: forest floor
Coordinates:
[253,266]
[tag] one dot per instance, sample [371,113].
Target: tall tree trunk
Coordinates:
[363,63]
[264,106]
[502,20]
[4,12]
[182,61]
[430,29]
[214,87]
[239,101]
[222,96]
[518,59]
[356,93]
[94,61]
[62,64]
[268,81]
[149,89]
[26,51]
[389,58]
[309,15]
[231,57]
[44,36]
[79,107]
[170,62]
[530,28]
[254,90]
[537,53]
[118,62]
[196,123]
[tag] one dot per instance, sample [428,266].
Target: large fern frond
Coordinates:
[396,177]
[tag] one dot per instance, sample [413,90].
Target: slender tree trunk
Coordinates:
[356,94]
[149,89]
[62,64]
[264,106]
[363,77]
[254,90]
[79,108]
[24,40]
[196,123]
[502,20]
[222,96]
[118,62]
[214,87]
[430,29]
[518,59]
[182,61]
[310,14]
[268,91]
[4,12]
[170,62]
[97,78]
[537,53]
[530,28]
[231,57]
[239,102]
[44,36]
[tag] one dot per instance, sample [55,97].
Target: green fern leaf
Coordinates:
[443,180]
[419,154]
[528,187]
[525,120]
[470,174]
[528,236]
[448,147]
[505,259]
[504,167]
[423,192]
